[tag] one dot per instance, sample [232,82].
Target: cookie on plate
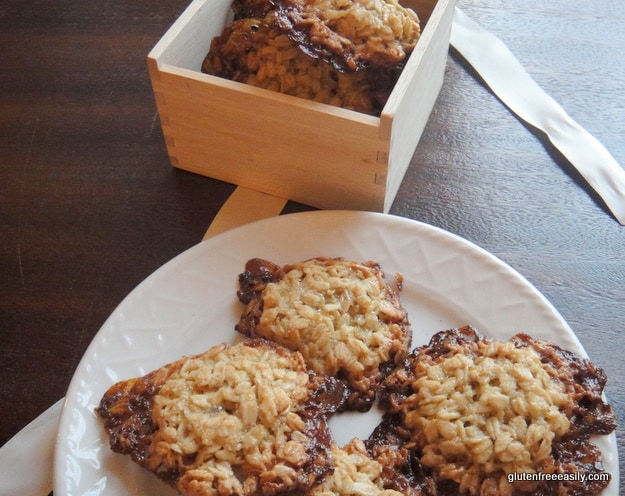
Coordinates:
[342,316]
[485,417]
[237,420]
[360,470]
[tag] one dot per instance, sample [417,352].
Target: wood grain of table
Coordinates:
[90,206]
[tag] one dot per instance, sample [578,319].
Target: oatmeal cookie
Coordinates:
[342,316]
[352,34]
[240,420]
[477,410]
[257,52]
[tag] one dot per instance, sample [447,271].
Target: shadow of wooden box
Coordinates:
[316,154]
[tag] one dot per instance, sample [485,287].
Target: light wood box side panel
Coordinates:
[409,106]
[285,146]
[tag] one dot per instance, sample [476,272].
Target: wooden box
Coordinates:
[316,154]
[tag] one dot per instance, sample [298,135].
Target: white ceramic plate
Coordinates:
[190,304]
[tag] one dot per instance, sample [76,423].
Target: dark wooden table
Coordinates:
[90,206]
